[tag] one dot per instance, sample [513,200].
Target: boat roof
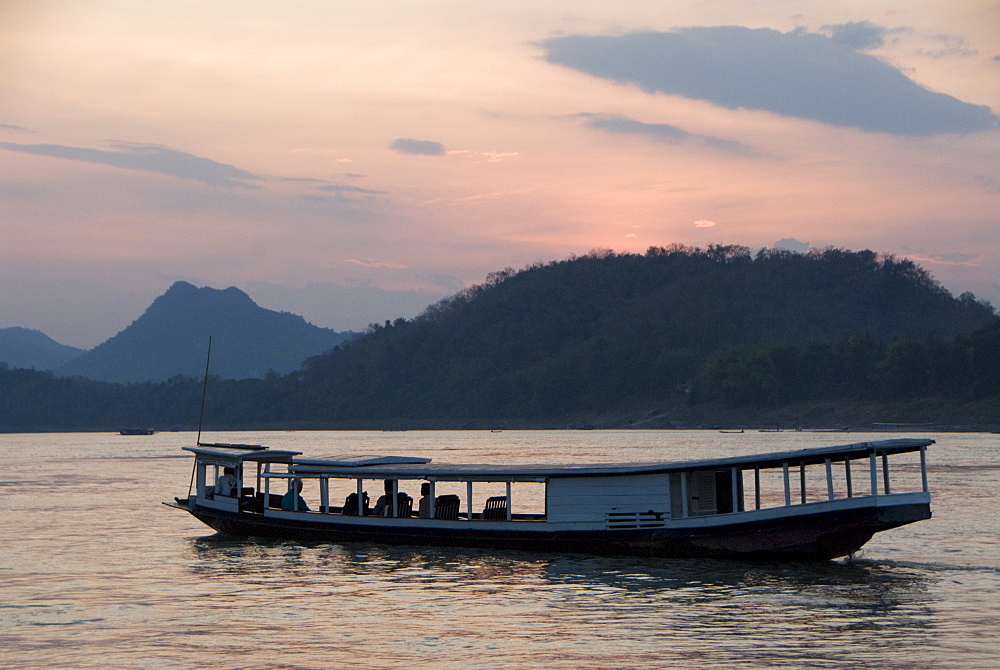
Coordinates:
[401,467]
[353,461]
[226,452]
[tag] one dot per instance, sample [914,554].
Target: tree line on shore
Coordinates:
[602,334]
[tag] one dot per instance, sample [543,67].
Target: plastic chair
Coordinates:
[351,504]
[446,507]
[404,506]
[496,509]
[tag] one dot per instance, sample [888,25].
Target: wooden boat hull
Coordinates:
[817,535]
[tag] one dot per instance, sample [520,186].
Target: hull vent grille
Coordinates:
[634,520]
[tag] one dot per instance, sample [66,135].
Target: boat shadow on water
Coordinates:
[700,599]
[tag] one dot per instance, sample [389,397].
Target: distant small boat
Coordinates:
[136,431]
[732,431]
[902,426]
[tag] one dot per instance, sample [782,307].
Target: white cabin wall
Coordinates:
[587,499]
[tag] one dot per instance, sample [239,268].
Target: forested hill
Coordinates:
[676,336]
[607,332]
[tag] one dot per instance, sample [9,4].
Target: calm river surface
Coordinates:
[95,572]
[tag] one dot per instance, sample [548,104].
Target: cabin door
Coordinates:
[699,489]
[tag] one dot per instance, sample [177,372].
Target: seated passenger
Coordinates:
[292,501]
[425,501]
[383,506]
[227,485]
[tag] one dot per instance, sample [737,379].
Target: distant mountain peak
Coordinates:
[169,339]
[180,287]
[233,293]
[183,295]
[183,289]
[26,348]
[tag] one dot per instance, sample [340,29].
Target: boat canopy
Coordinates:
[401,467]
[231,455]
[354,461]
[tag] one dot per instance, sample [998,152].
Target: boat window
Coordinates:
[343,493]
[905,472]
[212,474]
[771,491]
[837,479]
[458,489]
[527,498]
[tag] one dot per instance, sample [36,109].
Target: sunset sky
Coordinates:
[356,161]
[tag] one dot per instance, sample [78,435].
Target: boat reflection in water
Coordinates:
[588,609]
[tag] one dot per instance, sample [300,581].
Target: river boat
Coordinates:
[808,504]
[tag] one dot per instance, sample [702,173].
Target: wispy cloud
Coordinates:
[662,132]
[859,35]
[951,45]
[375,264]
[345,189]
[450,283]
[989,184]
[792,244]
[795,74]
[484,156]
[418,147]
[967,260]
[146,158]
[16,129]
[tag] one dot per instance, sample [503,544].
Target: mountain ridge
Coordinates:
[27,348]
[171,337]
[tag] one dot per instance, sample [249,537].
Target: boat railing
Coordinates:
[801,483]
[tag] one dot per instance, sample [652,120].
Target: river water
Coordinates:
[95,572]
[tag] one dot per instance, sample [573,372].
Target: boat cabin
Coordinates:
[243,465]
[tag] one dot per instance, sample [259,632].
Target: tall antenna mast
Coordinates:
[204,389]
